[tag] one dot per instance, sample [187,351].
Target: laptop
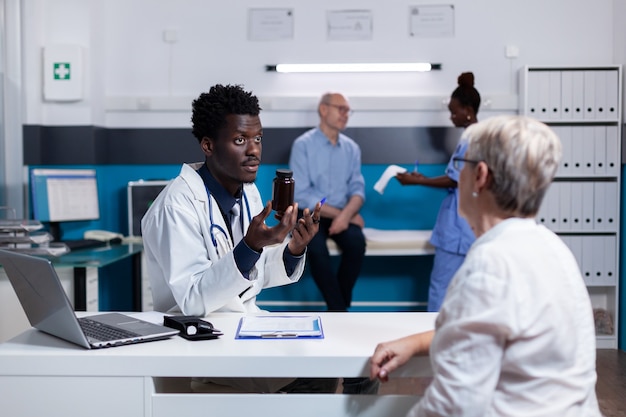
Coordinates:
[48,309]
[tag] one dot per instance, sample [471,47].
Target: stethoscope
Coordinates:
[215,229]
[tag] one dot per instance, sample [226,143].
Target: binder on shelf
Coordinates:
[588,149]
[612,94]
[576,213]
[587,203]
[543,78]
[578,101]
[589,95]
[599,152]
[565,206]
[532,86]
[554,101]
[567,95]
[544,209]
[565,134]
[586,264]
[577,141]
[611,206]
[598,272]
[610,260]
[612,151]
[600,98]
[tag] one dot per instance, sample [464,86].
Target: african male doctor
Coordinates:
[205,237]
[207,247]
[206,244]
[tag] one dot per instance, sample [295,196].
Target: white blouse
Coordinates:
[515,335]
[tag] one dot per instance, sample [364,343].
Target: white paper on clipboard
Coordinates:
[279,327]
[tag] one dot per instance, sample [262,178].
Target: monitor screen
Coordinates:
[64,195]
[141,194]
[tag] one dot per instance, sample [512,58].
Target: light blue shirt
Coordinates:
[451,232]
[323,170]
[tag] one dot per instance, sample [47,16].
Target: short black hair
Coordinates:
[465,93]
[210,109]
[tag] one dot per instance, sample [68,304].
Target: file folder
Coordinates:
[589,96]
[612,94]
[612,151]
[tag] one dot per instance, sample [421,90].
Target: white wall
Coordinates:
[129,66]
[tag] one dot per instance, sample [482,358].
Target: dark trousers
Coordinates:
[336,288]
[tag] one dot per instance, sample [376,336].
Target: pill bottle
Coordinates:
[282,191]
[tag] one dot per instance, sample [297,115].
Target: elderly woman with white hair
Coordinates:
[515,334]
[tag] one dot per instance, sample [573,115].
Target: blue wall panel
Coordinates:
[384,278]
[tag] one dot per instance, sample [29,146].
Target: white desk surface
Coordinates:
[66,379]
[350,340]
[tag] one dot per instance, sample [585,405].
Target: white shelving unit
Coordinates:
[583,106]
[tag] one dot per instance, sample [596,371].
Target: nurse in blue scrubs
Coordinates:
[452,236]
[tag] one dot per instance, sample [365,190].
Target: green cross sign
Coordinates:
[61,71]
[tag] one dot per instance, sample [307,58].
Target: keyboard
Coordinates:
[84,244]
[103,332]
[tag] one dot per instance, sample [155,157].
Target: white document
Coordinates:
[390,172]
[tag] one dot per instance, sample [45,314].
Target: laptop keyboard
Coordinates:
[104,332]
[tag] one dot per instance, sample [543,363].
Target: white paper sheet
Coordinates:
[390,172]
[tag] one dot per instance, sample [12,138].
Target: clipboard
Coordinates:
[280,327]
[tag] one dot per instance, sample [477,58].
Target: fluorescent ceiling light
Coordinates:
[397,67]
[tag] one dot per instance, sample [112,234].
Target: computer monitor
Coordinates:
[141,194]
[63,195]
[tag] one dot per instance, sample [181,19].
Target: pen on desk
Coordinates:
[417,164]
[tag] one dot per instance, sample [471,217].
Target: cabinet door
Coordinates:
[72,396]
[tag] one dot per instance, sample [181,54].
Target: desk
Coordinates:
[83,259]
[65,378]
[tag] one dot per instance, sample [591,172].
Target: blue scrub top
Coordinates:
[451,232]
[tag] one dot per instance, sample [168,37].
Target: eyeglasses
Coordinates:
[457,162]
[342,109]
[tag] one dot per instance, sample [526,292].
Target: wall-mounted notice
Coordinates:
[435,21]
[349,25]
[270,24]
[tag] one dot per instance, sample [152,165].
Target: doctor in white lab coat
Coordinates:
[206,242]
[189,273]
[195,262]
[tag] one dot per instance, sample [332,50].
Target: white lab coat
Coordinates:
[187,273]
